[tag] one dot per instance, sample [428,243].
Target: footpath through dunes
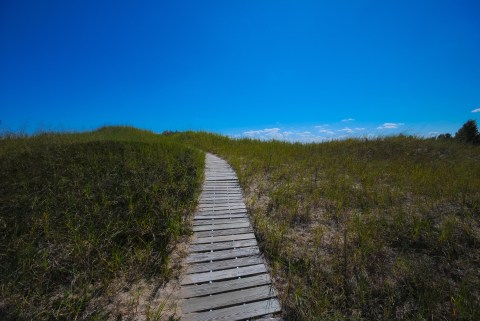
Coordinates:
[226,278]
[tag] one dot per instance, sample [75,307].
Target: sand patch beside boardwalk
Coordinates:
[144,299]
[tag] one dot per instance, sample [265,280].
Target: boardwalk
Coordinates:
[226,277]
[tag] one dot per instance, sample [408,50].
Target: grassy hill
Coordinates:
[383,229]
[79,211]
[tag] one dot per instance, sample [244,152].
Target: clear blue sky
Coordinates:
[271,68]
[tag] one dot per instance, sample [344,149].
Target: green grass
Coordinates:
[80,210]
[382,229]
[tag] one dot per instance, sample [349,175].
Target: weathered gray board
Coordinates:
[226,277]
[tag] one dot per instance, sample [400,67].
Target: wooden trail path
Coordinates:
[226,277]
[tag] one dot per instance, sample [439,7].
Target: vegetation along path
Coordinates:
[226,277]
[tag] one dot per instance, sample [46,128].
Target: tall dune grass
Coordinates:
[82,209]
[382,229]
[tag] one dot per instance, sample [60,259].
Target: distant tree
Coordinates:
[468,133]
[446,136]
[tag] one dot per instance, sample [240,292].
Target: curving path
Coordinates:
[226,276]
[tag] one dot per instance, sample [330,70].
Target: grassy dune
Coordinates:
[383,229]
[78,211]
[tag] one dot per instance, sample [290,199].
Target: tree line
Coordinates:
[468,134]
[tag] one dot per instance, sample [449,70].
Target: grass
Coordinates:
[82,210]
[381,229]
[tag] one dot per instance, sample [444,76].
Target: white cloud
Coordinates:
[279,134]
[347,119]
[346,130]
[303,134]
[390,125]
[476,110]
[349,130]
[326,131]
[267,133]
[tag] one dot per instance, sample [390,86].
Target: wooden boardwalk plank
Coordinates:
[233,192]
[237,197]
[227,204]
[191,291]
[233,298]
[220,226]
[223,238]
[224,274]
[221,212]
[216,196]
[224,264]
[227,200]
[239,312]
[215,203]
[213,221]
[241,230]
[200,217]
[222,255]
[224,195]
[221,245]
[222,183]
[215,215]
[222,206]
[219,207]
[230,197]
[219,201]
